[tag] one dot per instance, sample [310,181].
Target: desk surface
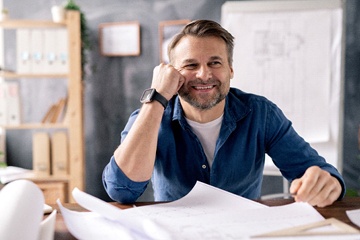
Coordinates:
[337,210]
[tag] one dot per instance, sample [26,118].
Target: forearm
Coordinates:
[136,154]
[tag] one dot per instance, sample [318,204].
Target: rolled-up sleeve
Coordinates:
[118,186]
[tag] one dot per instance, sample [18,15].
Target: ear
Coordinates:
[231,72]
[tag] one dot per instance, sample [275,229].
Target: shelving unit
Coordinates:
[74,126]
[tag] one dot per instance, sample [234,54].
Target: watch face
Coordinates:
[147,95]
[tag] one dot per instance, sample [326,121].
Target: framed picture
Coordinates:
[167,30]
[120,39]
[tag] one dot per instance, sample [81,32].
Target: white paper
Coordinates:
[205,213]
[47,226]
[354,216]
[21,211]
[12,173]
[21,208]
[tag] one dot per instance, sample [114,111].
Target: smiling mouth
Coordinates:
[203,87]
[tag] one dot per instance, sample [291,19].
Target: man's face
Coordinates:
[204,64]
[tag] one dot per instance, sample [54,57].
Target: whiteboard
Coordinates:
[292,53]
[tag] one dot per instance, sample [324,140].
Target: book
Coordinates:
[56,112]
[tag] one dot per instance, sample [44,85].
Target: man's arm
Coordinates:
[136,154]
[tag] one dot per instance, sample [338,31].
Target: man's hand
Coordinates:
[167,80]
[317,187]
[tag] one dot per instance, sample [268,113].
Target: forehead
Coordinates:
[199,48]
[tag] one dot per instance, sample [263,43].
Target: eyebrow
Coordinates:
[191,60]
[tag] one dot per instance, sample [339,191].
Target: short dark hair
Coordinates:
[205,28]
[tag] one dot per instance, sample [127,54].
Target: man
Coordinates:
[193,126]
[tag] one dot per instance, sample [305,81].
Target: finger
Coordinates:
[332,197]
[294,188]
[310,184]
[328,194]
[295,185]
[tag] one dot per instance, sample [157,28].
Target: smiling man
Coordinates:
[193,127]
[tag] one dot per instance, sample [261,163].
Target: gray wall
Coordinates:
[113,84]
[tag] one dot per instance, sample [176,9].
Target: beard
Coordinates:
[204,101]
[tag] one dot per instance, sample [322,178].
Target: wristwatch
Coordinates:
[151,94]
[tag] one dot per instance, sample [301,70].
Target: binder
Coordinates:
[59,153]
[23,52]
[37,52]
[50,51]
[62,49]
[41,153]
[3,103]
[13,103]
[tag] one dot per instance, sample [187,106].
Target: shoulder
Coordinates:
[250,100]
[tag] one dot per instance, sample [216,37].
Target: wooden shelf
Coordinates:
[35,126]
[30,24]
[31,75]
[74,121]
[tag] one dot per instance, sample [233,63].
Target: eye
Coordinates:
[215,64]
[191,66]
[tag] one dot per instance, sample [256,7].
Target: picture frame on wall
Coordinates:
[119,39]
[167,30]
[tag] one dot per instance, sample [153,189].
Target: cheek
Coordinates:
[188,75]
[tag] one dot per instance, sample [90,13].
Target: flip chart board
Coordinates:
[292,53]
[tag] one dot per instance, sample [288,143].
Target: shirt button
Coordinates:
[203,166]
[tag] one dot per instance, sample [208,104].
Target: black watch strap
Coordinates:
[160,98]
[151,94]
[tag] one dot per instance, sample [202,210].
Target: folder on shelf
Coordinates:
[61,50]
[50,51]
[23,42]
[59,153]
[13,103]
[3,107]
[37,51]
[41,153]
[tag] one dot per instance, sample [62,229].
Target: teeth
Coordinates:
[203,88]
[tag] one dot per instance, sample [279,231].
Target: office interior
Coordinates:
[113,84]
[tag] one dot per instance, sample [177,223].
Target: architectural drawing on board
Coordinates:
[269,57]
[291,53]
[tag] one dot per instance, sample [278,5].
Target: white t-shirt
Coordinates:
[207,133]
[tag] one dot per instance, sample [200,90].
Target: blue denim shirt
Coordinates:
[251,127]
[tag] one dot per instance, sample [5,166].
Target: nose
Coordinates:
[204,73]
